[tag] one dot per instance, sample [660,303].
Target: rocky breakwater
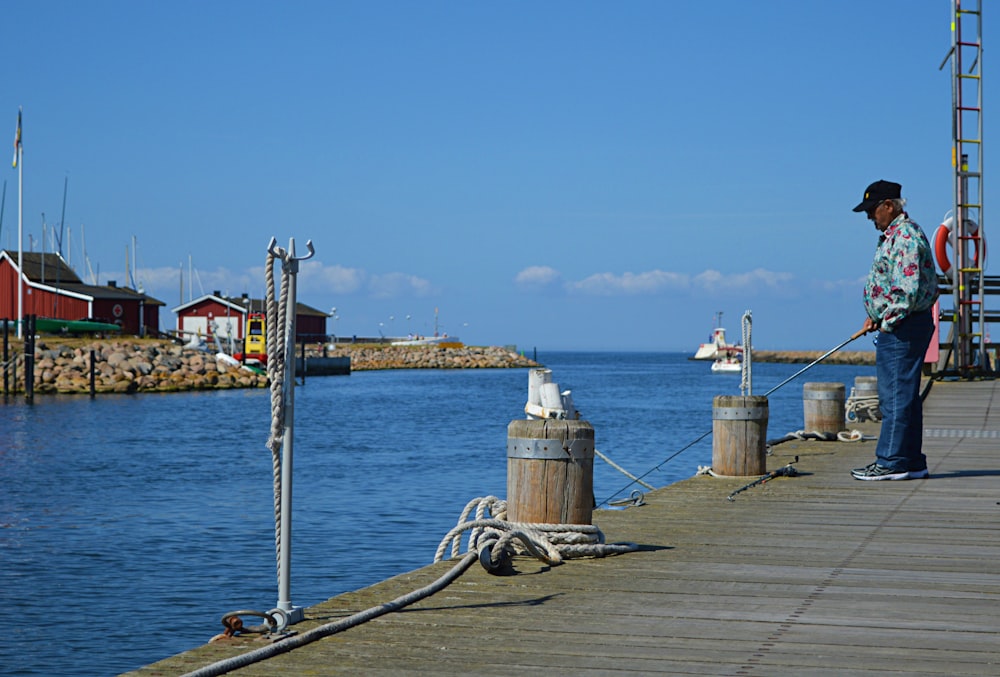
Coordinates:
[368,357]
[131,366]
[854,357]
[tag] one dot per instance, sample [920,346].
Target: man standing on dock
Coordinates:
[899,297]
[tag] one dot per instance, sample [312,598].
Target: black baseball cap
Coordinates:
[877,192]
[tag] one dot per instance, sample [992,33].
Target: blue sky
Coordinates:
[559,175]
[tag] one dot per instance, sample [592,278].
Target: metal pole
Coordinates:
[19,151]
[290,264]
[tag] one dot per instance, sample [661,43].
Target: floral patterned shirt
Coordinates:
[902,280]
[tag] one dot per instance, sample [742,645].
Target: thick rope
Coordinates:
[623,471]
[746,379]
[276,346]
[863,407]
[296,641]
[275,358]
[842,436]
[551,543]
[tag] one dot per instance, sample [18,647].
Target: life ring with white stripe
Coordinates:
[942,238]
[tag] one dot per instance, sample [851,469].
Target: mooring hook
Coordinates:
[280,620]
[280,253]
[494,559]
[486,554]
[234,624]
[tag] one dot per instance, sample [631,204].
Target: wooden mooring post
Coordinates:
[29,358]
[6,356]
[550,471]
[93,367]
[739,435]
[823,406]
[866,386]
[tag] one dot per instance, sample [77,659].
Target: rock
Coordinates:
[138,365]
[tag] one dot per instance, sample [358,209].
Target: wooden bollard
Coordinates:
[550,471]
[823,404]
[866,386]
[739,435]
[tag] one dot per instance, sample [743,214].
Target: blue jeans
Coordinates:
[899,357]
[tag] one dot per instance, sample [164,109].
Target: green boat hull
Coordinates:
[51,325]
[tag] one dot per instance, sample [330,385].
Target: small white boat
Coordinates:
[717,347]
[727,365]
[442,340]
[445,341]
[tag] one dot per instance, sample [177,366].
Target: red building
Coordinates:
[223,317]
[50,288]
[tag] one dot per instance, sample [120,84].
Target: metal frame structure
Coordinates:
[967,234]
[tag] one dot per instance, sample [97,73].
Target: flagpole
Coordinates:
[19,159]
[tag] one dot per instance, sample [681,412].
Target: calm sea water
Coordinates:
[130,524]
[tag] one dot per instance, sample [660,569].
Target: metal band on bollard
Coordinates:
[825,394]
[738,413]
[549,449]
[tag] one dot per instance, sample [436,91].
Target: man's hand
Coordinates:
[869,326]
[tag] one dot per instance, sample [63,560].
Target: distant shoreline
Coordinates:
[855,357]
[122,365]
[845,357]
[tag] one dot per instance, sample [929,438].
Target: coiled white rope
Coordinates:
[551,543]
[863,407]
[842,436]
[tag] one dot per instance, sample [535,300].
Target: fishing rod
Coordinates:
[855,335]
[784,471]
[859,333]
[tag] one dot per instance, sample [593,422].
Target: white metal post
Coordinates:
[290,265]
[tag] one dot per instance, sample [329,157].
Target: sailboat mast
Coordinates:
[62,219]
[86,259]
[132,271]
[3,203]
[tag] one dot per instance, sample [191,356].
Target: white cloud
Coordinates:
[659,281]
[398,284]
[536,276]
[315,276]
[713,280]
[609,284]
[855,285]
[165,284]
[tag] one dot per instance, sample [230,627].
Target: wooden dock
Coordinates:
[817,574]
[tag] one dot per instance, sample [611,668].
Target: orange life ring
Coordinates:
[942,237]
